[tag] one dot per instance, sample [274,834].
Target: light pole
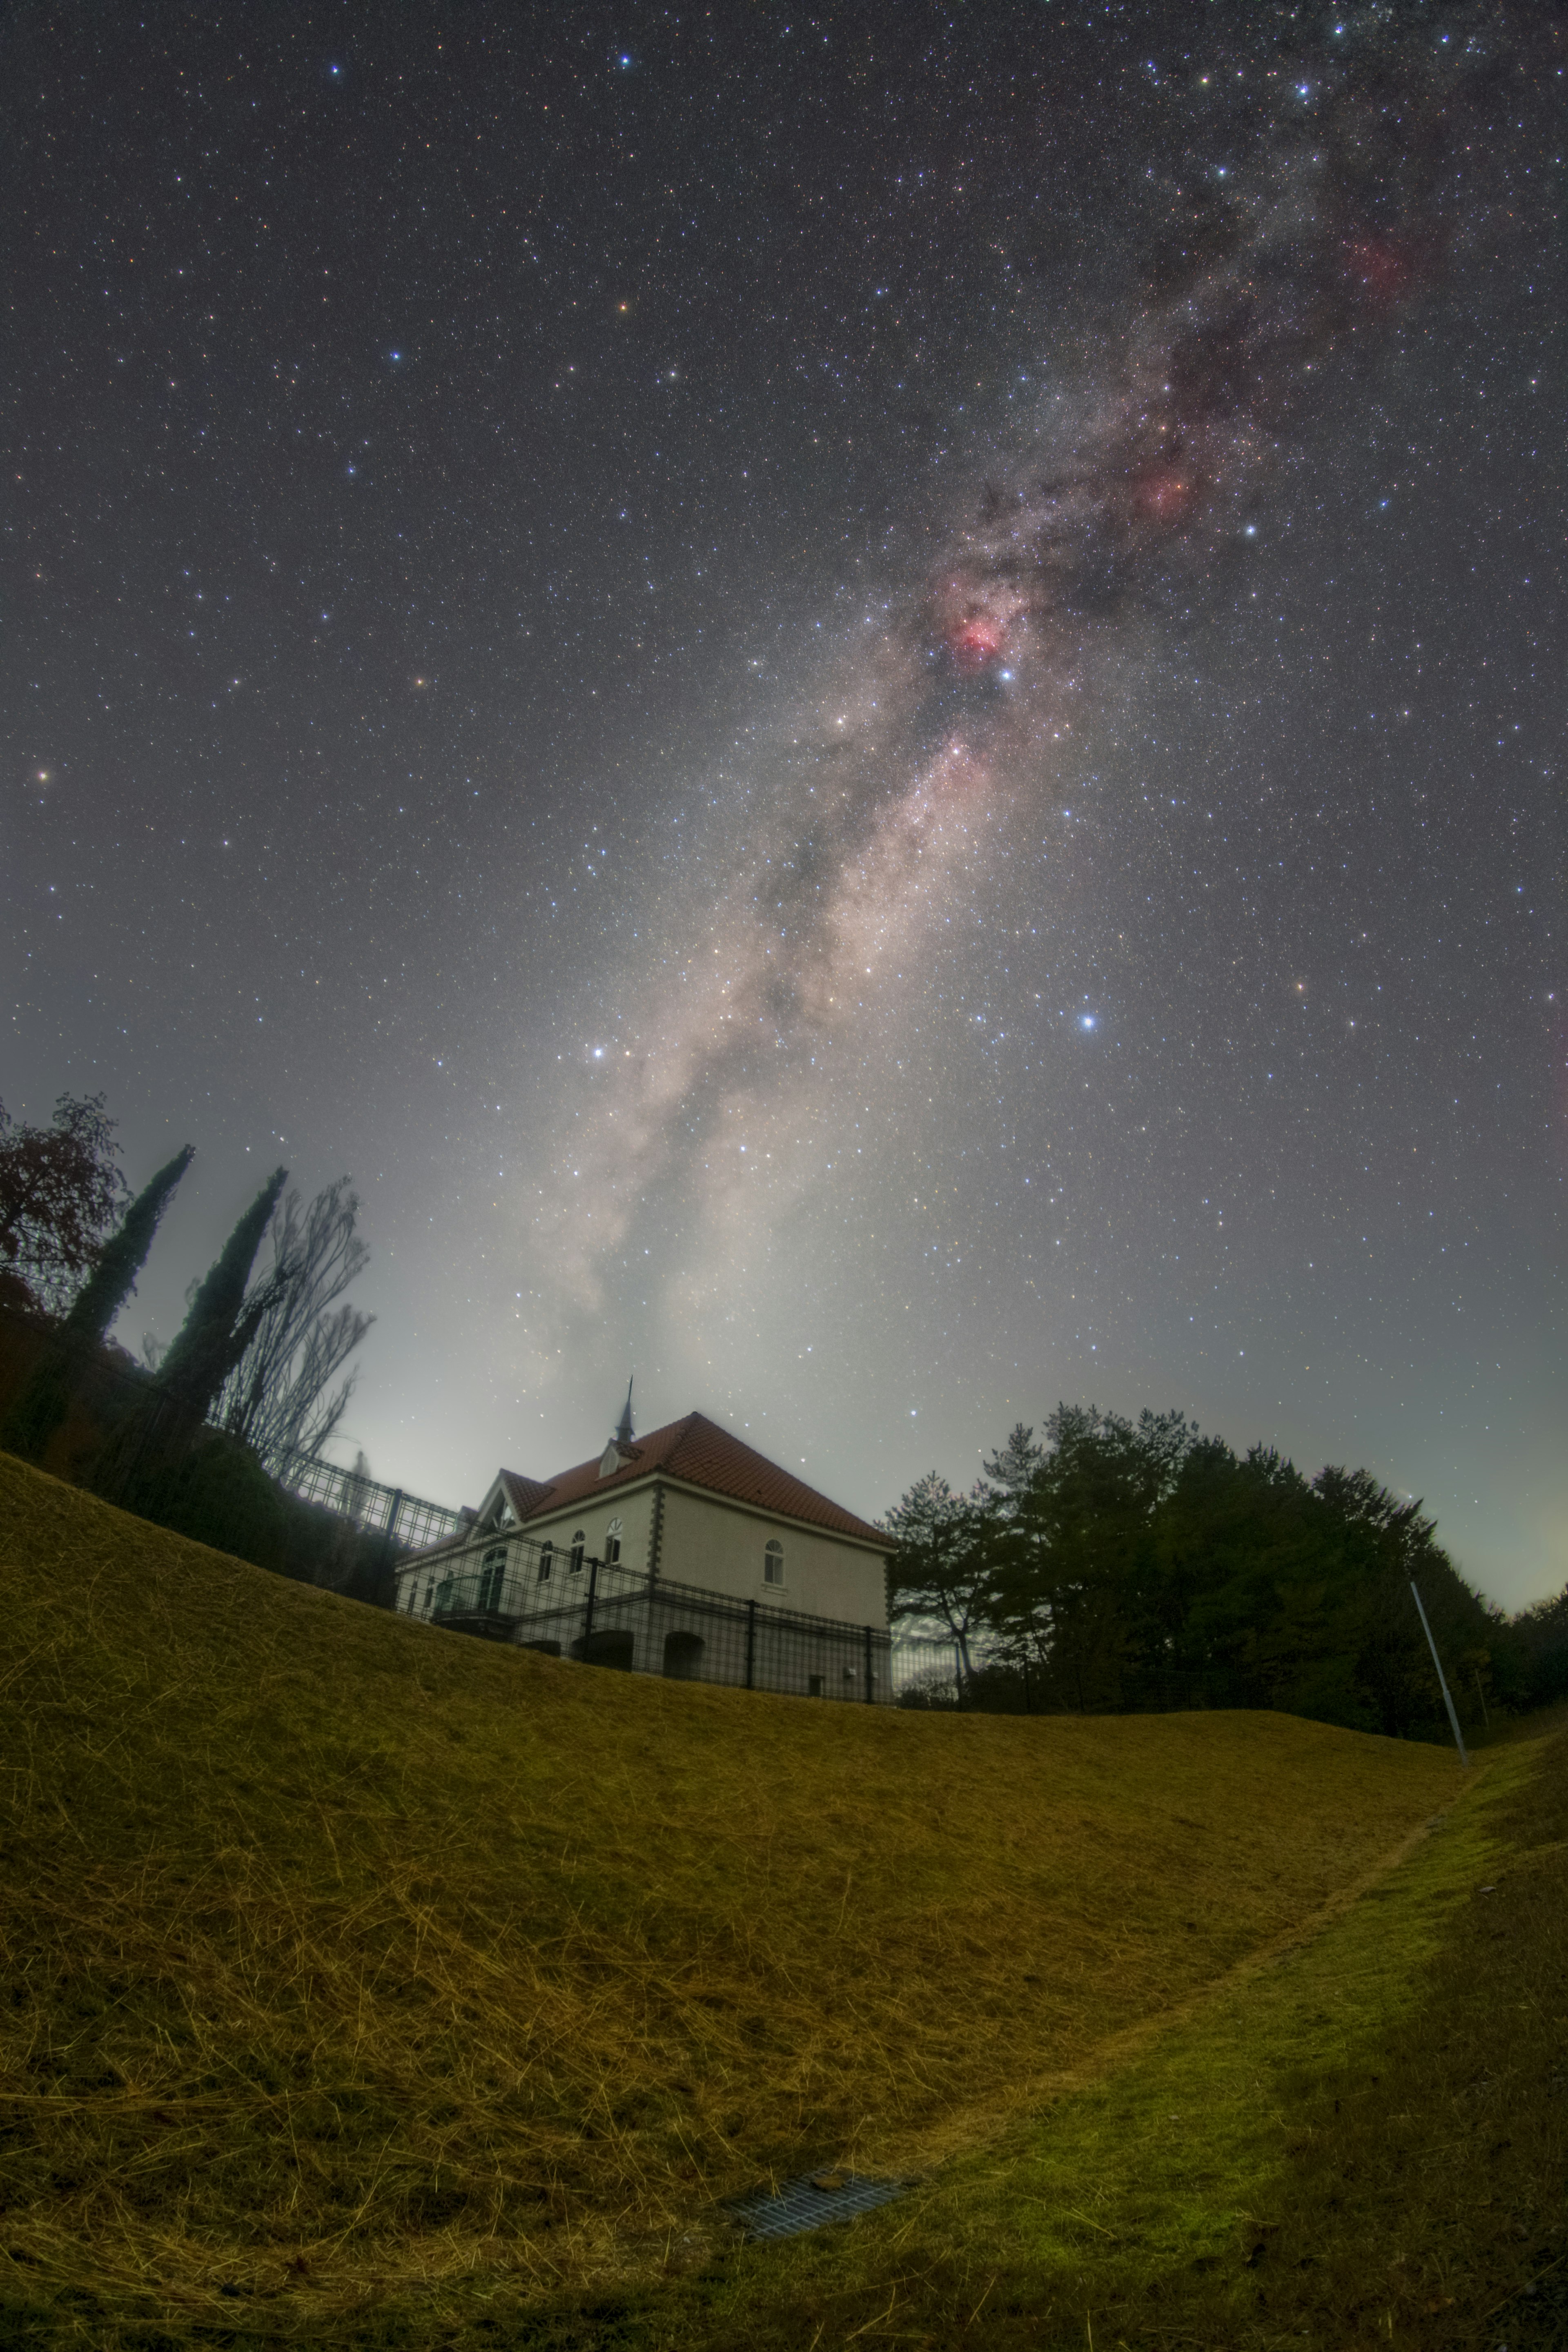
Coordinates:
[1442,1678]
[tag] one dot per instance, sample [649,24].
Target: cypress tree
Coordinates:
[219,1325]
[124,1255]
[43,1404]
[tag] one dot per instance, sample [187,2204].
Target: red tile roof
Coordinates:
[523,1494]
[697,1453]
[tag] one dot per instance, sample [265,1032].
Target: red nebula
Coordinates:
[1162,496]
[974,641]
[1382,271]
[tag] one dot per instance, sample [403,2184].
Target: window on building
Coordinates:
[613,1544]
[546,1561]
[773,1562]
[814,1686]
[493,1569]
[579,1552]
[430,1589]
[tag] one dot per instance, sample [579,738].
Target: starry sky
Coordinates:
[867,707]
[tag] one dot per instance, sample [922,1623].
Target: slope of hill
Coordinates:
[342,1954]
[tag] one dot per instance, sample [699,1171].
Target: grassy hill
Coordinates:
[347,1961]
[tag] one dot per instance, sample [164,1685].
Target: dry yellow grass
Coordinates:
[341,1952]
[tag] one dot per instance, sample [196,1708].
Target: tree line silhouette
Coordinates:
[1129,1565]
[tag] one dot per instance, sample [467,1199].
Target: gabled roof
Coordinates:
[523,1494]
[697,1453]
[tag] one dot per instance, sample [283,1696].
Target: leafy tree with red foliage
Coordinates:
[60,1191]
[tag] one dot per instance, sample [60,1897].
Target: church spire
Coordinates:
[617,1454]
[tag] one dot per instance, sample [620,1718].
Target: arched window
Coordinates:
[773,1562]
[613,1544]
[579,1549]
[493,1569]
[546,1561]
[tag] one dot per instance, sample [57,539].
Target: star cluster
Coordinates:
[867,706]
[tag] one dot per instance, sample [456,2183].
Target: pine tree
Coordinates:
[219,1326]
[940,1568]
[1013,1465]
[43,1404]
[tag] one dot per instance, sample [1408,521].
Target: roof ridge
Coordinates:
[716,1460]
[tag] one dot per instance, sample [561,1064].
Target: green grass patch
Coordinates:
[1362,2141]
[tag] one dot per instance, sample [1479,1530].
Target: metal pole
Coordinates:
[1437,1661]
[394,1513]
[588,1611]
[870,1678]
[751,1640]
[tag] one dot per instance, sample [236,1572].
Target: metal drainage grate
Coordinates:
[811,2203]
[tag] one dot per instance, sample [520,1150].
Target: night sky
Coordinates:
[866,708]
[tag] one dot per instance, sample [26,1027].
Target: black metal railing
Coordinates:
[411,1522]
[509,1587]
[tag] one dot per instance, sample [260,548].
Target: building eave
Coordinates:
[547,1514]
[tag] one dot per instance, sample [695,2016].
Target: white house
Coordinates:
[685,1552]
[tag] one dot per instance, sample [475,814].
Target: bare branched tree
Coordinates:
[280,1397]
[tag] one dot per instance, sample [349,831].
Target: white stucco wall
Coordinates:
[706,1541]
[721,1546]
[633,1510]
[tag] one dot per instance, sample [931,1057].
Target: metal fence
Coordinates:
[408,1521]
[512,1588]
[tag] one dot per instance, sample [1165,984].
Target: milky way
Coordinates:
[1321,206]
